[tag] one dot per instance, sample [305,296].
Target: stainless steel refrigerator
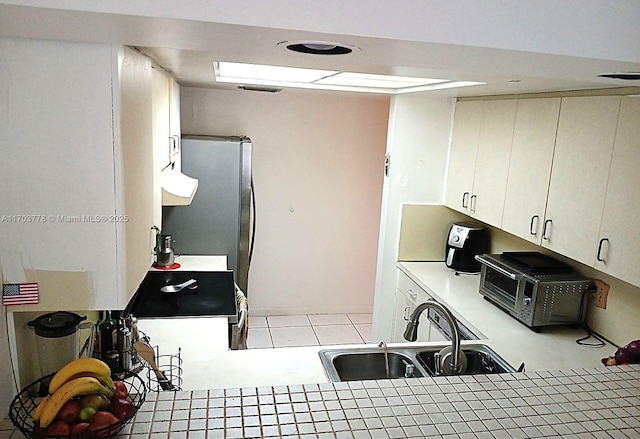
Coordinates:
[218,220]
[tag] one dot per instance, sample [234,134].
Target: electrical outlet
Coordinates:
[599,296]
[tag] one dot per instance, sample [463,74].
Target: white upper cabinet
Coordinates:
[174,119]
[77,168]
[492,161]
[534,140]
[584,143]
[479,160]
[572,175]
[618,252]
[462,158]
[162,142]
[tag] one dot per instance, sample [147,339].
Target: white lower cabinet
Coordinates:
[408,296]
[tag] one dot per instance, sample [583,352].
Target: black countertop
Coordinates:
[214,296]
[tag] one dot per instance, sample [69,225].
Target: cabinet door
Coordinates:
[534,138]
[408,295]
[462,158]
[584,144]
[161,128]
[404,308]
[620,237]
[135,203]
[492,162]
[174,119]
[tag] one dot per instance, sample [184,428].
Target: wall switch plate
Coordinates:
[599,296]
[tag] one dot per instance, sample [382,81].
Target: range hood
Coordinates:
[177,189]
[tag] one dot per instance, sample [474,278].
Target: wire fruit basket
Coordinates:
[26,401]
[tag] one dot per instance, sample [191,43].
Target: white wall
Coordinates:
[317,168]
[418,143]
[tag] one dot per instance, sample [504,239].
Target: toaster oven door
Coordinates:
[499,284]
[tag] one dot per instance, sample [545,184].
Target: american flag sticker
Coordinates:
[19,294]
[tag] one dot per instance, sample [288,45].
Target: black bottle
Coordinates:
[108,336]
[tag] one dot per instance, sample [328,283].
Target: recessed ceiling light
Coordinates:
[278,76]
[318,47]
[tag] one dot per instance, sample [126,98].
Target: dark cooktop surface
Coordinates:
[214,296]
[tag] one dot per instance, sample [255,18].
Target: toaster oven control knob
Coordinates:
[527,301]
[456,238]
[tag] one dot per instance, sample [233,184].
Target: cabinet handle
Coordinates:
[413,295]
[534,230]
[178,146]
[600,246]
[464,200]
[407,313]
[547,223]
[473,203]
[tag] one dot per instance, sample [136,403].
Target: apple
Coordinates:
[102,419]
[121,389]
[95,401]
[79,428]
[121,407]
[69,411]
[58,428]
[86,414]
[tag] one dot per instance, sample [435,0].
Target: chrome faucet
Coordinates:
[383,345]
[411,332]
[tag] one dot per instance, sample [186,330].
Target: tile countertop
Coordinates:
[574,403]
[552,348]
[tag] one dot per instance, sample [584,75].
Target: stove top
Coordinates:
[215,295]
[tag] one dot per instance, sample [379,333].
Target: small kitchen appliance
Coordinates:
[165,257]
[465,241]
[58,339]
[534,288]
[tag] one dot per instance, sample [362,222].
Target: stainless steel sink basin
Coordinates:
[371,364]
[479,360]
[368,363]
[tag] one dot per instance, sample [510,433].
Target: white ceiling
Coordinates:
[547,54]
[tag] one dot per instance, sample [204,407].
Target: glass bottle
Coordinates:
[108,330]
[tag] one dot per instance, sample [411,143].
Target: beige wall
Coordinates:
[317,167]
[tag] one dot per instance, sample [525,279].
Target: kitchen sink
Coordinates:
[345,365]
[368,363]
[479,360]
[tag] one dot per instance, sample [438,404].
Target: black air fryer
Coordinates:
[465,241]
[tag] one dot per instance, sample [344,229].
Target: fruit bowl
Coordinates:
[25,402]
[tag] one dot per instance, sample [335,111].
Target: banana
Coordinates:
[105,380]
[39,408]
[88,367]
[70,389]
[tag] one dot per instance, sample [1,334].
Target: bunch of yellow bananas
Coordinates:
[84,376]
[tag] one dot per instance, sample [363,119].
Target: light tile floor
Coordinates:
[308,330]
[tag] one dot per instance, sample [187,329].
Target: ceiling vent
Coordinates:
[262,89]
[627,76]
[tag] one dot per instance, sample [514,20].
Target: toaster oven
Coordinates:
[535,289]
